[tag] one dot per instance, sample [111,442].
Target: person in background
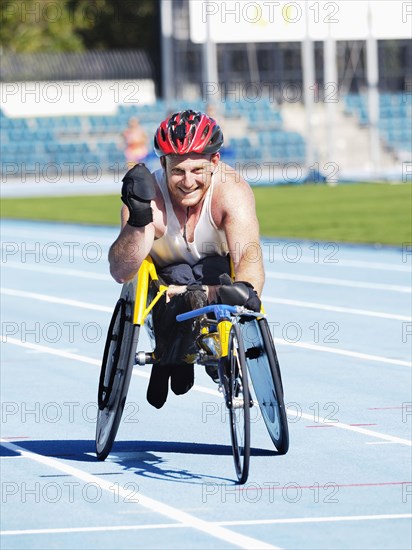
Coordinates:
[136,142]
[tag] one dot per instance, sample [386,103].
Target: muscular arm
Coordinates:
[130,249]
[241,226]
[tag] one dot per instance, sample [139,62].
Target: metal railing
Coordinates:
[90,65]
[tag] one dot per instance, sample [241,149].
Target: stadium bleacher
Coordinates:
[71,142]
[395,119]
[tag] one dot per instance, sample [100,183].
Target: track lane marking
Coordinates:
[186,519]
[325,519]
[103,528]
[51,351]
[326,421]
[54,299]
[105,242]
[380,266]
[338,309]
[270,274]
[69,355]
[378,442]
[209,391]
[337,282]
[245,489]
[347,353]
[64,239]
[297,303]
[58,271]
[68,255]
[317,520]
[304,345]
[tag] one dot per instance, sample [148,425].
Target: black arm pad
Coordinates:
[139,182]
[240,293]
[138,190]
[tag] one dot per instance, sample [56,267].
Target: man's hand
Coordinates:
[253,301]
[137,191]
[239,293]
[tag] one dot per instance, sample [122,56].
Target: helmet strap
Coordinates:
[184,229]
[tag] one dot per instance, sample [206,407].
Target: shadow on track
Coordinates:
[80,450]
[135,456]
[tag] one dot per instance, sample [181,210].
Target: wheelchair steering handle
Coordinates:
[221,311]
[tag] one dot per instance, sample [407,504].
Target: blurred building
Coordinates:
[316,91]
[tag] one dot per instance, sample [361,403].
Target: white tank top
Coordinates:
[171,248]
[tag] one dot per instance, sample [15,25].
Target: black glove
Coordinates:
[137,191]
[239,293]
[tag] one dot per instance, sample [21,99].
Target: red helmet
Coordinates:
[188,132]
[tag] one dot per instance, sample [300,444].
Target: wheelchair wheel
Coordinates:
[239,404]
[266,379]
[116,370]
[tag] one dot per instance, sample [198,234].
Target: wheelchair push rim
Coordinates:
[264,372]
[116,371]
[238,401]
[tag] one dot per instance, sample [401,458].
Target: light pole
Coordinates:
[166,21]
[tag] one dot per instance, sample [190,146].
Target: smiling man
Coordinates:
[192,216]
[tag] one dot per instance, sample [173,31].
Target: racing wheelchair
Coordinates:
[235,341]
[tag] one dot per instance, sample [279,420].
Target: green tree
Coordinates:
[40,26]
[75,25]
[121,24]
[118,24]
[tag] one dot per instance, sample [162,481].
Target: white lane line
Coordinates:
[209,391]
[53,235]
[54,299]
[62,237]
[372,265]
[338,309]
[106,277]
[71,249]
[103,528]
[157,506]
[326,519]
[67,250]
[282,276]
[58,271]
[51,351]
[347,353]
[337,282]
[297,303]
[303,345]
[378,442]
[357,429]
[306,416]
[405,268]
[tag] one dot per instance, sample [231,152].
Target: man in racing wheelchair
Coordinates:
[195,216]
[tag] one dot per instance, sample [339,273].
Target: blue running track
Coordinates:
[341,320]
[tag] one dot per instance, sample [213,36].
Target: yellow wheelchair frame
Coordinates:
[237,356]
[146,274]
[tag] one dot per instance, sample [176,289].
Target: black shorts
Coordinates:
[175,342]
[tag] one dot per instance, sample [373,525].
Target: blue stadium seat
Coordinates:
[72,139]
